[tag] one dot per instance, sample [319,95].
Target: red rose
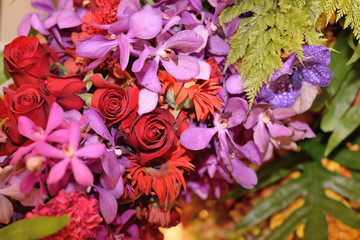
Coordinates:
[27,101]
[27,59]
[153,134]
[116,104]
[64,88]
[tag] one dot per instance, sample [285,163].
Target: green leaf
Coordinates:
[279,200]
[3,121]
[4,75]
[347,157]
[87,79]
[289,224]
[33,228]
[86,97]
[349,123]
[311,185]
[62,69]
[342,101]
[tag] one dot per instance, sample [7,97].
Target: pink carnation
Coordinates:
[84,214]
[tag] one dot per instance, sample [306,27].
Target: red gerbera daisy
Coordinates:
[202,94]
[160,177]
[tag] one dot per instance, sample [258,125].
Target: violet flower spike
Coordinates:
[70,153]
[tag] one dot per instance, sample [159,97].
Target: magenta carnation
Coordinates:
[83,213]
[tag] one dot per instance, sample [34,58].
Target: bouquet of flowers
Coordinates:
[121,110]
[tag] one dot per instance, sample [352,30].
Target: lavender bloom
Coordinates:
[63,17]
[233,115]
[285,86]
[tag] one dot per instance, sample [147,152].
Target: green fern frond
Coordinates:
[350,9]
[273,27]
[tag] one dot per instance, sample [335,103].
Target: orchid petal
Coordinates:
[68,19]
[45,6]
[95,150]
[49,151]
[238,108]
[218,46]
[186,68]
[283,113]
[50,21]
[147,101]
[109,164]
[81,172]
[95,46]
[27,183]
[205,70]
[278,130]
[243,174]
[5,174]
[26,127]
[197,138]
[148,76]
[74,134]
[317,74]
[58,171]
[124,51]
[187,41]
[20,152]
[108,204]
[58,136]
[145,24]
[97,123]
[114,186]
[261,136]
[55,118]
[139,63]
[234,84]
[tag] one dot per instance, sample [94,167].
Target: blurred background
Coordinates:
[11,13]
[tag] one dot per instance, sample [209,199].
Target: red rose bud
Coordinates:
[115,104]
[153,134]
[64,89]
[26,59]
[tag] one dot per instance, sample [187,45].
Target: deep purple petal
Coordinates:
[319,75]
[147,101]
[243,174]
[316,54]
[108,204]
[285,99]
[95,150]
[82,173]
[197,138]
[58,171]
[186,68]
[95,46]
[68,19]
[238,108]
[114,185]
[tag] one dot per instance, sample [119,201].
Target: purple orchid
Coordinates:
[70,153]
[63,17]
[285,85]
[230,152]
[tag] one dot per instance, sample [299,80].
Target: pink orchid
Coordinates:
[70,153]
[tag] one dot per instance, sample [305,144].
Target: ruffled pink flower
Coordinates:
[83,213]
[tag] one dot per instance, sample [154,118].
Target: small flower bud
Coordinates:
[34,163]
